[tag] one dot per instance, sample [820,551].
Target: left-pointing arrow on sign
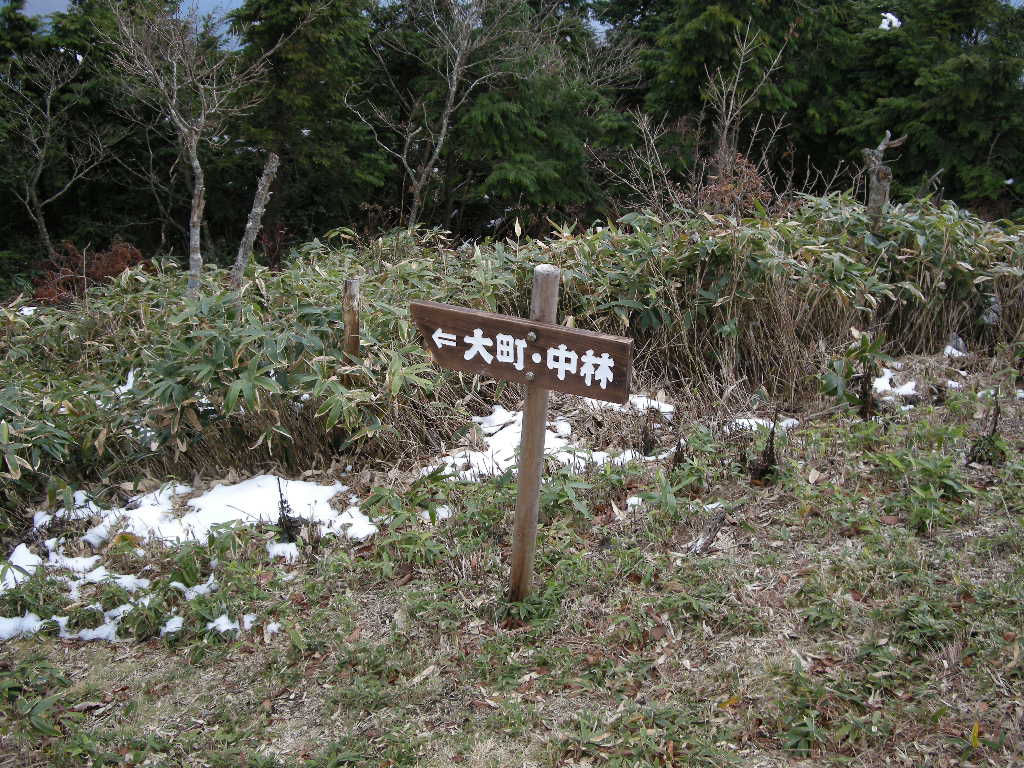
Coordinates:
[442,339]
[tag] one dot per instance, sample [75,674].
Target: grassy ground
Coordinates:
[862,608]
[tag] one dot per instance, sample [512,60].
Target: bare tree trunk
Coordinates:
[731,99]
[252,226]
[165,61]
[195,222]
[38,100]
[35,211]
[722,161]
[414,208]
[419,184]
[32,200]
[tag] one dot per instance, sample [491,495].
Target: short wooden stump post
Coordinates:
[350,306]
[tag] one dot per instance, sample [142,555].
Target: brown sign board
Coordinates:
[526,351]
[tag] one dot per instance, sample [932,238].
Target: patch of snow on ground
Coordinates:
[27,311]
[638,403]
[81,507]
[151,516]
[950,384]
[173,625]
[106,631]
[883,385]
[20,565]
[96,575]
[754,423]
[288,550]
[498,419]
[115,614]
[562,428]
[910,388]
[351,523]
[17,626]
[629,455]
[441,514]
[503,433]
[190,593]
[100,574]
[951,351]
[57,559]
[223,624]
[256,500]
[248,620]
[131,583]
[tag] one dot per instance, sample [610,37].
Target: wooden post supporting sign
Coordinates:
[541,355]
[544,309]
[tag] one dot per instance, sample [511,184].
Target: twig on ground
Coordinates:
[703,543]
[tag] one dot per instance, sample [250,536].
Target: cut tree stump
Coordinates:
[879,178]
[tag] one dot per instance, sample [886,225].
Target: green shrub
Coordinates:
[221,382]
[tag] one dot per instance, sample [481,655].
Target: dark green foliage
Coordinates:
[329,161]
[32,700]
[522,149]
[701,38]
[16,30]
[522,143]
[950,77]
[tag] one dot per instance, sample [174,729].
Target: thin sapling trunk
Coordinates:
[195,222]
[252,226]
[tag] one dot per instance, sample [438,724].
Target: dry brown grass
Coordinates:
[470,686]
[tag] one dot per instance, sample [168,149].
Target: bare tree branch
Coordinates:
[730,99]
[171,65]
[643,172]
[53,140]
[465,45]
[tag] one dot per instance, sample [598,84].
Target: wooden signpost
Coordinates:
[543,356]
